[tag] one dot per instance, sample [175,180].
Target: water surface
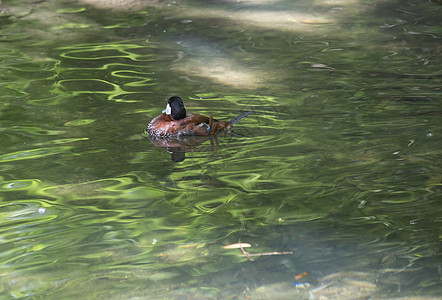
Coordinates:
[339,163]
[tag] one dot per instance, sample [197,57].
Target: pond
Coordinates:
[333,180]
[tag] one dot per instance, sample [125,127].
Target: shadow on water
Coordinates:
[339,163]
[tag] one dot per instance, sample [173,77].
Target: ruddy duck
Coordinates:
[174,121]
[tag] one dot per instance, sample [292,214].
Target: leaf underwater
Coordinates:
[237,246]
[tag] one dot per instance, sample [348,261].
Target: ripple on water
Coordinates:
[33,153]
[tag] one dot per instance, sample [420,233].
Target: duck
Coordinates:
[175,121]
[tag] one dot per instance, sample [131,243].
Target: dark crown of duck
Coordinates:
[176,108]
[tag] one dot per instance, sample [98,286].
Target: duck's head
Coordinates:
[176,108]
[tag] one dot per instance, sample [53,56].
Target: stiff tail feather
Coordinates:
[238,118]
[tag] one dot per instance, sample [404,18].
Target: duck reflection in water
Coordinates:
[178,146]
[180,132]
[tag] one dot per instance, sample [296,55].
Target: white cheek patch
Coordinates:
[168,110]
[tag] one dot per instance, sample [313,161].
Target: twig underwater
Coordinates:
[241,246]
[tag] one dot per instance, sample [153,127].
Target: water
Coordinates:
[339,163]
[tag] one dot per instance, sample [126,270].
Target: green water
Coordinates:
[339,163]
